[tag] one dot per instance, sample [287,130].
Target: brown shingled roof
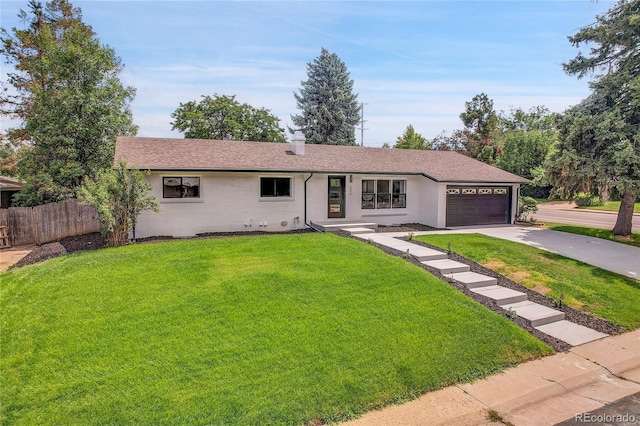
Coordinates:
[217,155]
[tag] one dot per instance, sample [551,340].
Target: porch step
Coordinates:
[358,230]
[537,314]
[573,334]
[500,295]
[343,225]
[447,266]
[473,279]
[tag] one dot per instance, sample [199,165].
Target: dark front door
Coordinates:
[336,196]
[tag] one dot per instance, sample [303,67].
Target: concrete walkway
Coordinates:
[541,392]
[616,257]
[545,319]
[11,255]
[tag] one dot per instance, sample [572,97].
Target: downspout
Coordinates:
[305,200]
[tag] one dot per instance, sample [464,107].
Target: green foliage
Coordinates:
[222,117]
[588,200]
[328,107]
[527,206]
[411,139]
[69,98]
[237,331]
[119,195]
[599,147]
[481,122]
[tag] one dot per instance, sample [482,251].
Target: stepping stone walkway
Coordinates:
[547,320]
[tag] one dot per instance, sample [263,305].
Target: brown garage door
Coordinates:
[478,205]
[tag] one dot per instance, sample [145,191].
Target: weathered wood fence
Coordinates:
[49,222]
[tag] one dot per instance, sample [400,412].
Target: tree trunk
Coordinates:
[625,214]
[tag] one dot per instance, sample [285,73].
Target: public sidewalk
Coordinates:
[541,392]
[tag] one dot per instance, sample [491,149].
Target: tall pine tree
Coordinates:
[599,146]
[329,108]
[69,99]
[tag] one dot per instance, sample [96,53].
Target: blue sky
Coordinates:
[414,62]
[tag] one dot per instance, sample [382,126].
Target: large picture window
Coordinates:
[180,187]
[384,194]
[275,187]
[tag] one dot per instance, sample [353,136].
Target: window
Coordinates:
[180,187]
[384,194]
[275,187]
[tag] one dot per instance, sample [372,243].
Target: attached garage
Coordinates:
[478,205]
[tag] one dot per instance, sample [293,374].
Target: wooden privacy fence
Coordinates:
[49,222]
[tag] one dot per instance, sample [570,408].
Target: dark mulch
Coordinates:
[571,314]
[66,245]
[405,227]
[95,241]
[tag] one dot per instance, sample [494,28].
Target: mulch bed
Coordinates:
[95,241]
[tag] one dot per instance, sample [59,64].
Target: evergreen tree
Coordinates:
[329,108]
[481,121]
[599,144]
[69,99]
[411,139]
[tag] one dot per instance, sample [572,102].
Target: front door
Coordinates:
[336,197]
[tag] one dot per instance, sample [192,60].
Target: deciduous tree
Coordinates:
[328,107]
[68,97]
[222,117]
[119,195]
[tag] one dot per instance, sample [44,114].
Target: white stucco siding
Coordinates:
[228,202]
[432,203]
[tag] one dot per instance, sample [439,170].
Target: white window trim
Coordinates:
[280,199]
[187,200]
[393,211]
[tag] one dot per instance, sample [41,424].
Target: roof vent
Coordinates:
[297,143]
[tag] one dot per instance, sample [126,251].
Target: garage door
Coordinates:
[478,205]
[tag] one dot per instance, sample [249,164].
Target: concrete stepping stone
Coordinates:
[447,266]
[501,295]
[423,253]
[537,314]
[473,279]
[358,230]
[573,334]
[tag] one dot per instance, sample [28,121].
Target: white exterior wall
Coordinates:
[317,190]
[228,202]
[231,202]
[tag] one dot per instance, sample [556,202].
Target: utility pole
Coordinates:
[362,121]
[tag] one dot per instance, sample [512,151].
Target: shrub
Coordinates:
[588,200]
[527,206]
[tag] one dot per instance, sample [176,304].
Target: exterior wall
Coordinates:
[231,202]
[317,193]
[228,202]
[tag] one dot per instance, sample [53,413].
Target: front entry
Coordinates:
[336,197]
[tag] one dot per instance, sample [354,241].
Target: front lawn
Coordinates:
[278,329]
[594,290]
[605,234]
[612,206]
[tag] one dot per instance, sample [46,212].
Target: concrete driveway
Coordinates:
[609,255]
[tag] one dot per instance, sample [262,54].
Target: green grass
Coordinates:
[605,234]
[594,290]
[612,206]
[282,329]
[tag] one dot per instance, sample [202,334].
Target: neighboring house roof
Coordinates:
[10,183]
[222,155]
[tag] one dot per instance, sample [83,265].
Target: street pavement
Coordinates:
[565,212]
